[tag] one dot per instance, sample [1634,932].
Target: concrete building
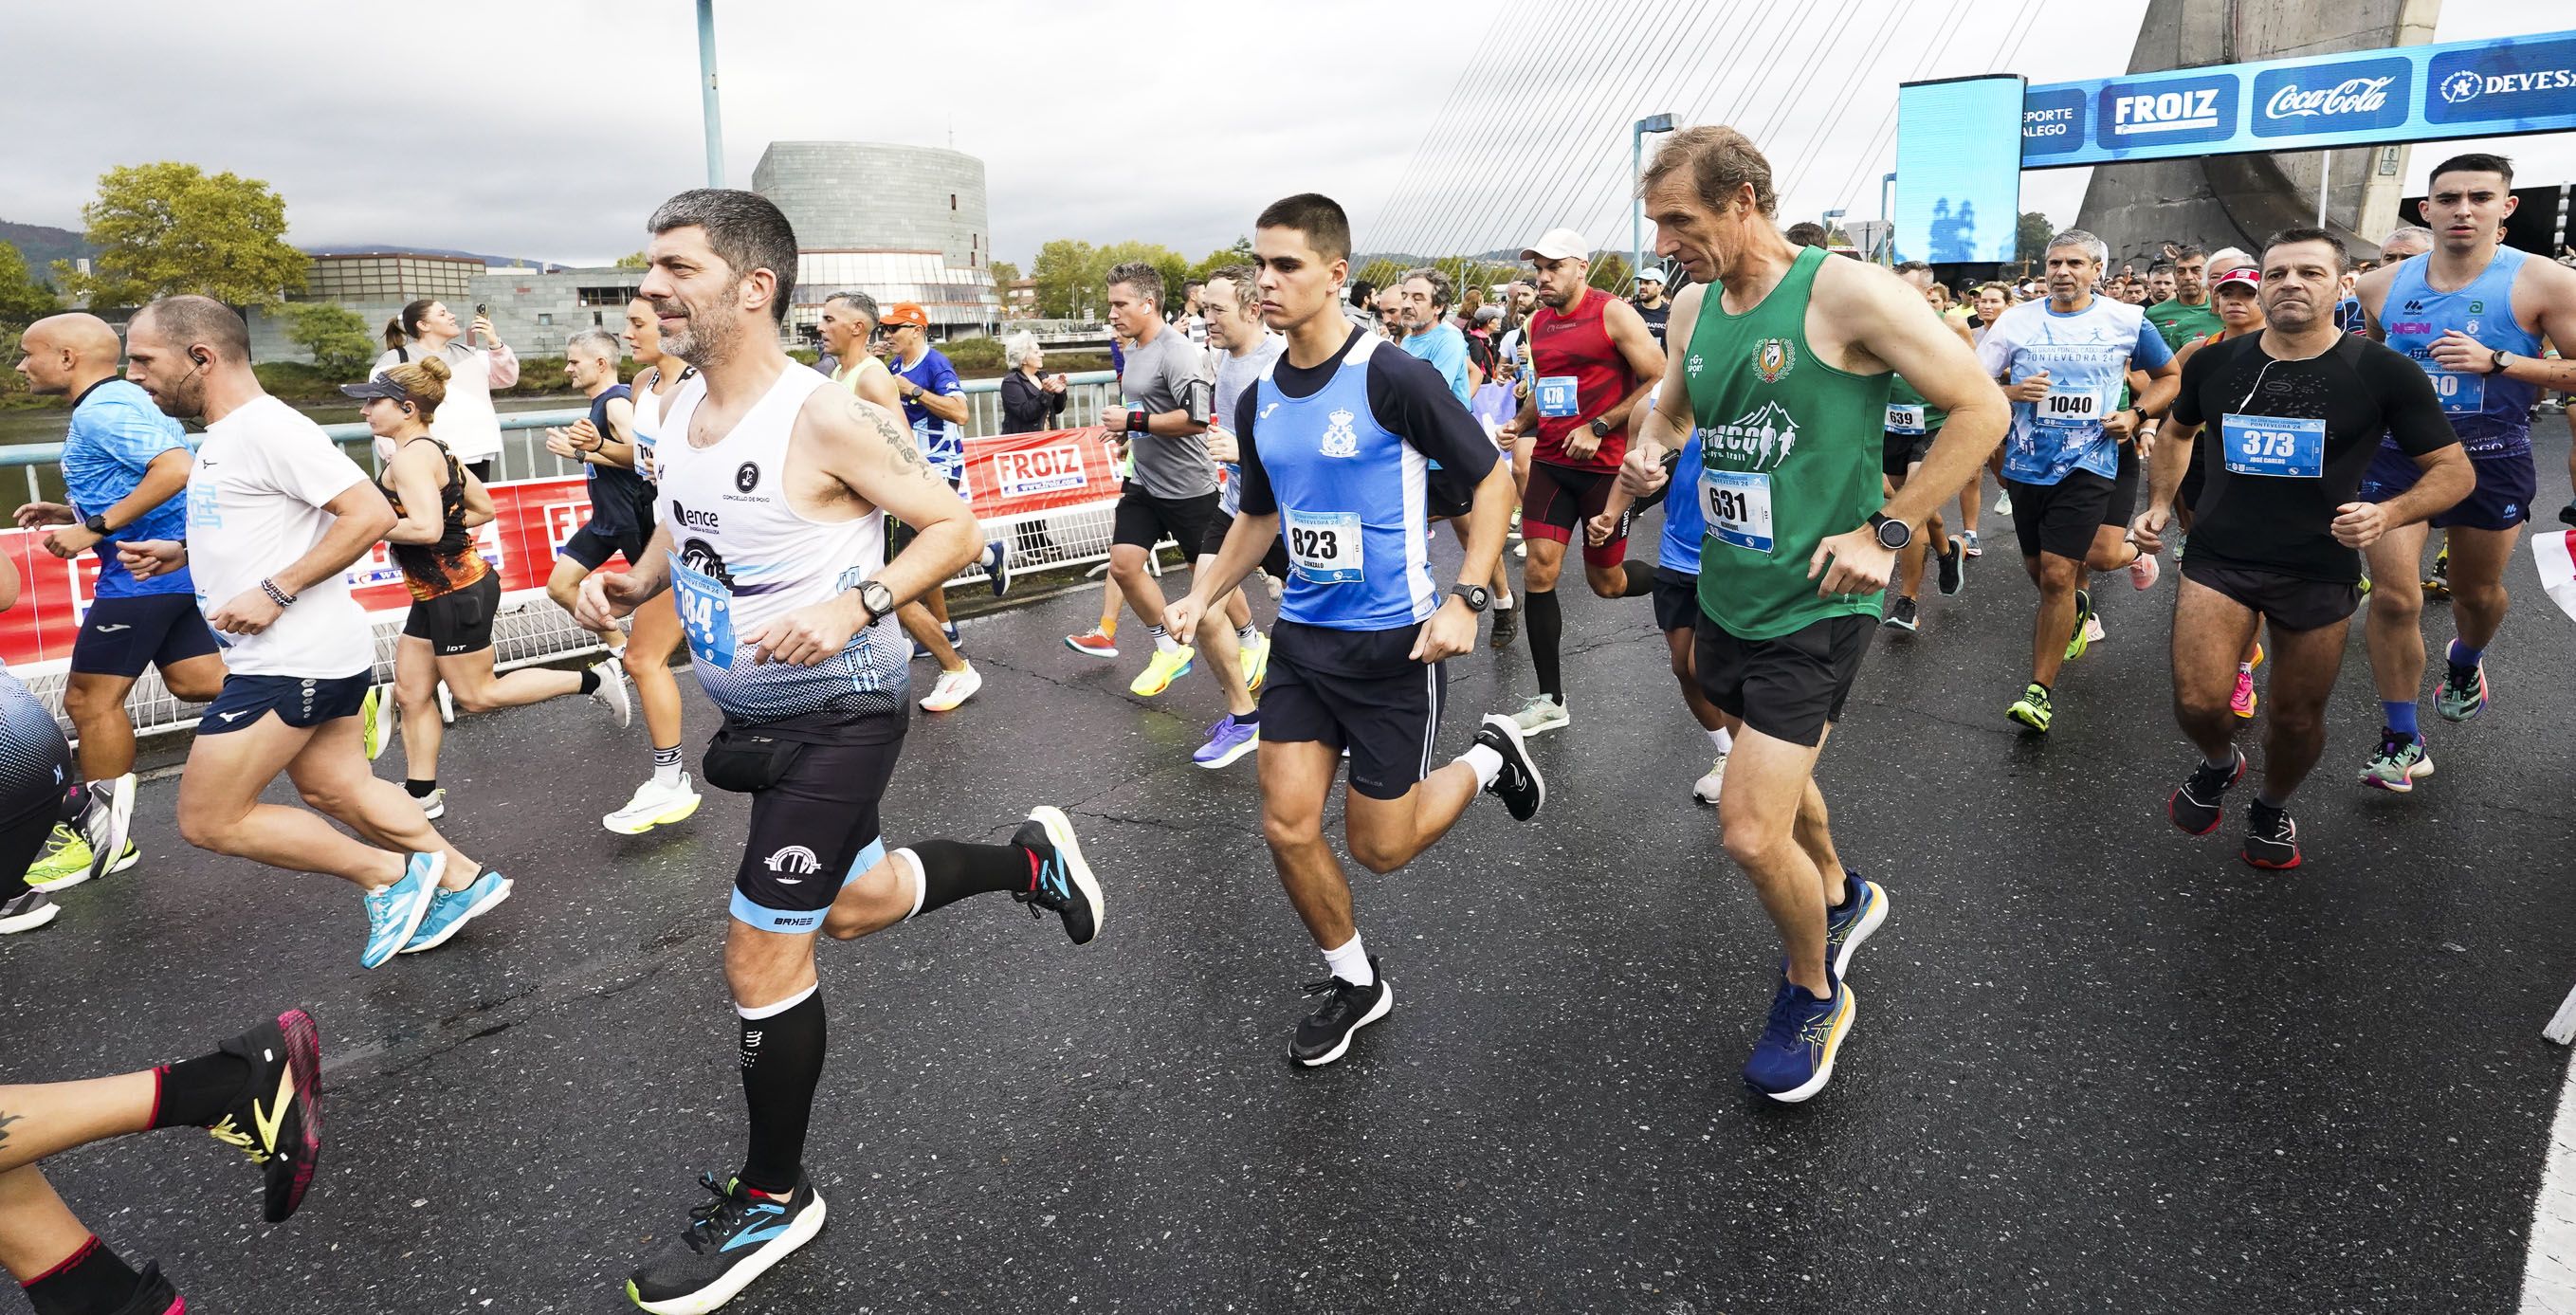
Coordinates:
[535,311]
[375,284]
[900,223]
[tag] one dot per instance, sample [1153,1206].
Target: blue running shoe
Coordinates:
[1059,881]
[450,910]
[395,912]
[1863,908]
[1227,742]
[731,1241]
[1795,1057]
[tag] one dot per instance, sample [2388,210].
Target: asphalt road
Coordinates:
[2098,1064]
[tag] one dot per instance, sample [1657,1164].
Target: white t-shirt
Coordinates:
[466,422]
[255,498]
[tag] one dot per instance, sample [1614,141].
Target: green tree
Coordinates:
[171,227]
[23,300]
[11,382]
[1067,281]
[334,335]
[2030,237]
[634,260]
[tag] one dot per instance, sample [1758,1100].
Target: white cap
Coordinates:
[1558,244]
[1651,274]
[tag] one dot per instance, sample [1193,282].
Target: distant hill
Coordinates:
[42,245]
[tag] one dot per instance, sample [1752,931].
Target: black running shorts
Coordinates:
[2287,601]
[1390,722]
[122,636]
[1790,688]
[2060,519]
[2124,490]
[815,830]
[1219,525]
[592,546]
[459,621]
[1144,520]
[1676,600]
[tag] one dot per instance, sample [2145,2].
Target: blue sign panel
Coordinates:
[1958,180]
[2494,88]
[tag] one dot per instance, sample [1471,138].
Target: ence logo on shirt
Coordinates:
[1760,440]
[1774,358]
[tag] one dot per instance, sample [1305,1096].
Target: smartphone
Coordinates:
[482,311]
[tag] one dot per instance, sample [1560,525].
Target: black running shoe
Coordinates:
[2271,838]
[153,1294]
[1954,568]
[1059,881]
[731,1241]
[1520,787]
[277,1118]
[1507,626]
[1325,1034]
[2202,800]
[1901,615]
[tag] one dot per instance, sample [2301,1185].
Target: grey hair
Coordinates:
[861,302]
[1017,347]
[1246,283]
[746,230]
[1146,280]
[2231,257]
[1444,294]
[2416,234]
[2082,241]
[600,340]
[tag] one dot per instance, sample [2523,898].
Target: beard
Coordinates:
[185,399]
[702,340]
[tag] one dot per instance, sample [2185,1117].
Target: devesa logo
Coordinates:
[2465,86]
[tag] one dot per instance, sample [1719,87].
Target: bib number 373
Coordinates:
[2272,445]
[1737,506]
[1325,547]
[706,613]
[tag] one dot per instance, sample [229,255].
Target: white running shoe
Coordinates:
[1705,788]
[653,805]
[446,705]
[954,687]
[612,693]
[433,805]
[2093,629]
[1540,715]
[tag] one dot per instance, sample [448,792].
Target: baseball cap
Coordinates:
[1488,314]
[903,313]
[1558,244]
[2244,276]
[1651,274]
[382,385]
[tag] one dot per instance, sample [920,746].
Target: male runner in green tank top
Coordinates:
[1781,357]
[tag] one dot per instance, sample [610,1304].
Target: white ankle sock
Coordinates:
[1163,641]
[1486,762]
[1503,602]
[1350,963]
[1723,739]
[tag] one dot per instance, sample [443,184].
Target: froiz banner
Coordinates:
[2495,88]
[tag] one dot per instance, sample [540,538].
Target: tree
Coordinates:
[634,260]
[170,227]
[23,300]
[1063,271]
[334,335]
[2030,237]
[1612,273]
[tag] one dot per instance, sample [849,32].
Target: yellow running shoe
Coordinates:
[1168,665]
[65,862]
[1256,664]
[372,726]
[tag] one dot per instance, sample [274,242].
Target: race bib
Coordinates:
[1904,419]
[706,613]
[1324,546]
[1556,396]
[1737,506]
[2271,445]
[2461,394]
[2071,408]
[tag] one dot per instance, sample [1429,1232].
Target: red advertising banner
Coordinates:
[1023,474]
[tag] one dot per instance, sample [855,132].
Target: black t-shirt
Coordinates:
[1655,319]
[2273,490]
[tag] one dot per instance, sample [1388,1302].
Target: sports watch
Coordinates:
[1477,595]
[2495,363]
[96,524]
[1893,534]
[879,600]
[1601,427]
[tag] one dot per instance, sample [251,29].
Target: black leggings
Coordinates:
[21,842]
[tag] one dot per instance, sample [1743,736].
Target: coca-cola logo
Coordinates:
[2351,96]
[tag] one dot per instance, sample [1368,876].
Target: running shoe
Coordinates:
[2464,691]
[1519,784]
[2003,504]
[1166,666]
[1514,531]
[68,861]
[1541,715]
[2082,635]
[446,704]
[2198,805]
[2093,629]
[2244,700]
[612,693]
[2365,584]
[1256,662]
[732,1240]
[997,566]
[2144,571]
[2438,584]
[28,911]
[153,1294]
[1507,626]
[1954,567]
[2271,842]
[119,822]
[1059,880]
[1901,615]
[1095,642]
[1795,1057]
[1227,741]
[956,637]
[2567,514]
[2397,762]
[372,727]
[450,910]
[954,687]
[1325,1035]
[277,1118]
[653,804]
[1863,910]
[1273,583]
[395,912]
[433,805]
[1968,544]
[2032,708]
[1705,789]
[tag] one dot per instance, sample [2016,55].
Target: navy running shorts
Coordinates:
[2501,500]
[299,701]
[122,636]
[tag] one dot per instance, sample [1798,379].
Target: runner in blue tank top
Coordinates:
[2473,313]
[1337,440]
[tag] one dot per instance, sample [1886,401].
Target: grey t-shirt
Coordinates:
[1234,374]
[1159,377]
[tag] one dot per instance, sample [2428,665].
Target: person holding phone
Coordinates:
[467,424]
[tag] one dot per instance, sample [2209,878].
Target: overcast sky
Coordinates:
[549,128]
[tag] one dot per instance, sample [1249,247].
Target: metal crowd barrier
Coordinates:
[530,628]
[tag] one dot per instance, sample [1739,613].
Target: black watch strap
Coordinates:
[96,524]
[1477,596]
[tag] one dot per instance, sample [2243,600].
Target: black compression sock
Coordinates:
[421,789]
[1641,580]
[590,680]
[1546,628]
[94,1281]
[782,1064]
[952,870]
[196,1092]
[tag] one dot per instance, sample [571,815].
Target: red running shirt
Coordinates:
[1575,346]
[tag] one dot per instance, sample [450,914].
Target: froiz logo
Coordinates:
[2351,96]
[2169,111]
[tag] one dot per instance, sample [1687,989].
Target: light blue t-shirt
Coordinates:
[2087,355]
[116,431]
[1684,525]
[1446,349]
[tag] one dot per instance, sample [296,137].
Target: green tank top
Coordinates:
[1791,448]
[1901,393]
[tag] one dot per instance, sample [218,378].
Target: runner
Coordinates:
[1230,307]
[2184,313]
[1913,425]
[1591,360]
[2068,469]
[1993,299]
[2299,407]
[934,401]
[1676,571]
[455,595]
[1650,304]
[125,469]
[259,1093]
[1786,357]
[603,442]
[275,516]
[472,429]
[1429,336]
[1335,442]
[2236,293]
[770,475]
[2415,240]
[2472,313]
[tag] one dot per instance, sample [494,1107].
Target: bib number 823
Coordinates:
[1322,545]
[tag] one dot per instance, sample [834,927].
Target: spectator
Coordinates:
[1031,399]
[466,422]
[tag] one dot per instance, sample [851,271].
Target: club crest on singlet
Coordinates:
[1759,440]
[1340,440]
[1773,358]
[746,477]
[700,556]
[1694,363]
